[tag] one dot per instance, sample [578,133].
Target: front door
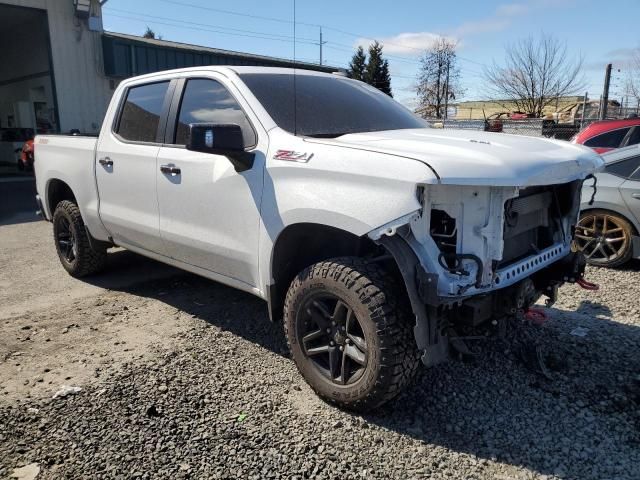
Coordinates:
[126,159]
[209,213]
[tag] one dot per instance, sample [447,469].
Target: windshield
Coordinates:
[327,106]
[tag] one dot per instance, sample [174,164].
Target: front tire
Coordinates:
[349,336]
[72,242]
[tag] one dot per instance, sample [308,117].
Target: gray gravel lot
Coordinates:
[185,378]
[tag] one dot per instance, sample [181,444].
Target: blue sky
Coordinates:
[600,31]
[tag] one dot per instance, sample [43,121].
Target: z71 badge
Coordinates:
[291,156]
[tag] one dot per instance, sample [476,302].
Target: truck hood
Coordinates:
[462,157]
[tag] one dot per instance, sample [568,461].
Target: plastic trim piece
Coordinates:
[429,340]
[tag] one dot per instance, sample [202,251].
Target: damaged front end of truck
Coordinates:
[478,254]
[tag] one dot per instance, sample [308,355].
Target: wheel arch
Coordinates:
[57,191]
[302,244]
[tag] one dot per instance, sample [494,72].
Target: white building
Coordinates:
[58,68]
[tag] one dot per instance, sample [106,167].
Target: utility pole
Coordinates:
[584,109]
[321,43]
[605,92]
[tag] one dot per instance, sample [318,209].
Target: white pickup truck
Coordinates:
[375,238]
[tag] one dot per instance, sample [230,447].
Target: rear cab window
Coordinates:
[140,113]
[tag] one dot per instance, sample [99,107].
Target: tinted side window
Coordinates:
[207,101]
[141,112]
[607,140]
[634,138]
[624,168]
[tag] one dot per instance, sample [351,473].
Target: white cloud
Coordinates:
[501,19]
[413,43]
[407,43]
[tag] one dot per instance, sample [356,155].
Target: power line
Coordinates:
[143,20]
[230,12]
[334,29]
[275,35]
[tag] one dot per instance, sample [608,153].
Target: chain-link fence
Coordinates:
[530,126]
[533,127]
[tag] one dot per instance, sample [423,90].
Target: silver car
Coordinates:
[608,229]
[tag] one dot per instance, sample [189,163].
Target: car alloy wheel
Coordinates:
[602,238]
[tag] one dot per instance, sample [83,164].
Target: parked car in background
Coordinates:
[11,142]
[567,121]
[607,232]
[25,161]
[494,122]
[607,135]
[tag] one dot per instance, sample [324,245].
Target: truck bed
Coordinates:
[69,159]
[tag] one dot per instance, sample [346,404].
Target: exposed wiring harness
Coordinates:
[457,268]
[594,186]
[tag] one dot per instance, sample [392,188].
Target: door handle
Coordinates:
[170,169]
[106,162]
[636,195]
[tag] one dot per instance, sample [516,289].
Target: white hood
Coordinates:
[462,157]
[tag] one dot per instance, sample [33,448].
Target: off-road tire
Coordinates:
[386,321]
[86,260]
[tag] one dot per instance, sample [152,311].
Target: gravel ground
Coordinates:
[185,378]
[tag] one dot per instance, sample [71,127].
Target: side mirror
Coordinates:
[220,139]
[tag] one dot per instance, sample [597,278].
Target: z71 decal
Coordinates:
[291,156]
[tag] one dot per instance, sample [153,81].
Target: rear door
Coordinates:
[209,212]
[126,159]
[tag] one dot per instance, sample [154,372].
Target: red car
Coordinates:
[26,156]
[607,135]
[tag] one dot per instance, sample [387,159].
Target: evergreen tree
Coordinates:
[149,33]
[377,70]
[358,65]
[385,79]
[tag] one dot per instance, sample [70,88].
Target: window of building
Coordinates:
[141,112]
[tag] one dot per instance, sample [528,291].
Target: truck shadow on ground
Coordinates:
[494,407]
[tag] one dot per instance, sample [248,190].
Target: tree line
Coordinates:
[536,71]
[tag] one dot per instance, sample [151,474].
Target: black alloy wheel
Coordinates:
[66,240]
[333,339]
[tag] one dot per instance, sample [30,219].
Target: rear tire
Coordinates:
[349,336]
[72,242]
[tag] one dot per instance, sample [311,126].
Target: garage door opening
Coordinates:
[27,91]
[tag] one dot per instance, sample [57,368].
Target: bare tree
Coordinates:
[438,79]
[632,82]
[535,74]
